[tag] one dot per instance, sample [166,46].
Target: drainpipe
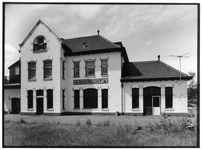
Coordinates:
[121,98]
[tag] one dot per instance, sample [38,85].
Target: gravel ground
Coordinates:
[140,120]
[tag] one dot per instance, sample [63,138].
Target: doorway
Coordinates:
[156,105]
[39,106]
[15,106]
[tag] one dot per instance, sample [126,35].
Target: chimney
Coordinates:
[159,57]
[98,32]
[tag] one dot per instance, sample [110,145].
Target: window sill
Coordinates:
[76,76]
[90,109]
[104,75]
[76,109]
[169,109]
[92,76]
[47,79]
[135,109]
[30,109]
[50,109]
[32,80]
[105,109]
[39,51]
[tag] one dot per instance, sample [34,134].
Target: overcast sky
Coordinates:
[145,30]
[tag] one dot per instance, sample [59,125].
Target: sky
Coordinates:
[146,31]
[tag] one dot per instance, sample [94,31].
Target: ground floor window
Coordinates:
[90,98]
[104,98]
[76,99]
[63,99]
[49,98]
[30,99]
[135,98]
[169,97]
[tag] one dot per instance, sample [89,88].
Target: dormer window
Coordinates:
[40,44]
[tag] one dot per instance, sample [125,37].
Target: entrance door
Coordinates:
[39,106]
[156,105]
[15,106]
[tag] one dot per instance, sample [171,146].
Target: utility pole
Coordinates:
[180,57]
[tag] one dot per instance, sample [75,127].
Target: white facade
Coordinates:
[119,93]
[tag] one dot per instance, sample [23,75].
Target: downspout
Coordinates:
[122,99]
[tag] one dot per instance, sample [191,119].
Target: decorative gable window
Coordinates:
[48,69]
[40,44]
[90,68]
[104,67]
[32,70]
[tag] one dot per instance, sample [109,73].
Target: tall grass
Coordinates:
[105,133]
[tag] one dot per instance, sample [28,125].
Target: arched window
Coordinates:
[90,98]
[30,99]
[40,43]
[169,97]
[135,98]
[49,98]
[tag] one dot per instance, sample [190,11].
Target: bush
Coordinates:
[78,123]
[88,122]
[104,123]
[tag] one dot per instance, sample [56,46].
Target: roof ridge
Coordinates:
[173,68]
[108,40]
[80,37]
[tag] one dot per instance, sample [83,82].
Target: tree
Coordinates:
[192,88]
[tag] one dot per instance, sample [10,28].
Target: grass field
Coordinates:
[100,131]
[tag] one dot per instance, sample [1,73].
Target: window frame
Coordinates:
[31,69]
[76,68]
[105,100]
[46,68]
[87,67]
[76,99]
[63,99]
[135,98]
[30,99]
[168,98]
[37,44]
[63,70]
[49,99]
[104,66]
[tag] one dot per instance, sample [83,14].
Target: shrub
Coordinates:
[104,123]
[22,121]
[78,123]
[88,122]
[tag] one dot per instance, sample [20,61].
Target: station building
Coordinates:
[92,75]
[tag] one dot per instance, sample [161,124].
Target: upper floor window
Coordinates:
[76,69]
[17,70]
[104,67]
[90,68]
[48,69]
[40,44]
[32,70]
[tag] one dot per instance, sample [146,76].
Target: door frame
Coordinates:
[159,104]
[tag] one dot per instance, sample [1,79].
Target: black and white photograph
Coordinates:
[100,75]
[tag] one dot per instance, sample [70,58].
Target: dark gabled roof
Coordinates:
[150,70]
[33,29]
[15,63]
[90,45]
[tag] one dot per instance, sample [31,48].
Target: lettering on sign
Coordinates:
[91,81]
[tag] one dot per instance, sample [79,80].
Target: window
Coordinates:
[17,70]
[76,99]
[90,68]
[40,44]
[63,99]
[135,98]
[104,98]
[169,97]
[31,70]
[63,70]
[30,99]
[90,98]
[104,67]
[49,98]
[76,69]
[48,69]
